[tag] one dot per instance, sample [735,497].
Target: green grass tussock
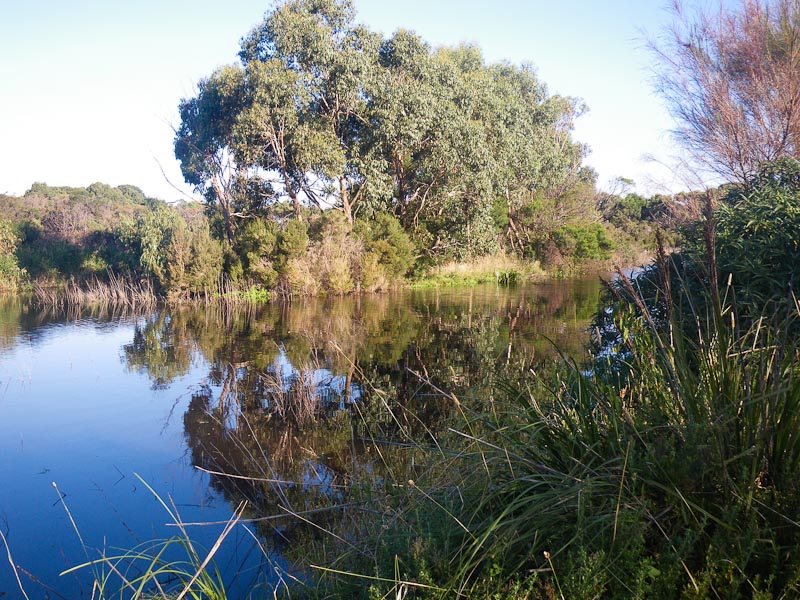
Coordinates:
[500,268]
[666,469]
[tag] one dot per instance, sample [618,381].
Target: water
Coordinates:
[102,404]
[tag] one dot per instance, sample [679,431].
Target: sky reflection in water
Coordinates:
[90,401]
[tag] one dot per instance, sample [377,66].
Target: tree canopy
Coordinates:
[732,80]
[322,113]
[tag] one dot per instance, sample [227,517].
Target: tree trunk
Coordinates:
[346,208]
[224,205]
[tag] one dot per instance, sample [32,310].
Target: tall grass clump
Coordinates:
[668,467]
[114,290]
[676,478]
[174,568]
[499,268]
[679,478]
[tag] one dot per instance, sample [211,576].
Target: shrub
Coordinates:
[181,257]
[292,241]
[94,264]
[256,245]
[205,265]
[10,272]
[299,278]
[337,260]
[583,243]
[758,236]
[373,274]
[385,238]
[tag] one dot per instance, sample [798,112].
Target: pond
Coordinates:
[122,411]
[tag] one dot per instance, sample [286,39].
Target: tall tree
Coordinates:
[456,133]
[323,112]
[269,130]
[204,142]
[732,80]
[324,61]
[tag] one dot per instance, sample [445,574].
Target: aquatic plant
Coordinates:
[168,569]
[115,290]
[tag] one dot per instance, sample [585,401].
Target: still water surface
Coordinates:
[94,401]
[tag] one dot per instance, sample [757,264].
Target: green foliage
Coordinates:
[11,275]
[203,145]
[253,295]
[373,273]
[180,256]
[256,245]
[151,238]
[321,111]
[384,237]
[509,277]
[292,241]
[203,261]
[677,481]
[576,244]
[67,232]
[94,264]
[675,477]
[757,236]
[9,240]
[500,215]
[51,258]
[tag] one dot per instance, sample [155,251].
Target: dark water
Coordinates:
[103,403]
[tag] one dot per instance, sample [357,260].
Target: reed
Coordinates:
[170,569]
[114,290]
[497,268]
[295,399]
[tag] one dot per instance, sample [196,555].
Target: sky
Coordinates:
[89,89]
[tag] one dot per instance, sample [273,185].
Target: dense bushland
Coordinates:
[100,232]
[91,235]
[669,469]
[332,159]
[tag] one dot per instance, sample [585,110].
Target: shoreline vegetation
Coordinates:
[333,160]
[330,159]
[102,245]
[664,467]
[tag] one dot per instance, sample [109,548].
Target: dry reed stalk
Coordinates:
[297,400]
[116,291]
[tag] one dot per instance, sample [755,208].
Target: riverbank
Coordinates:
[112,289]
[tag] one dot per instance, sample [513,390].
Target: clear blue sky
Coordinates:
[89,88]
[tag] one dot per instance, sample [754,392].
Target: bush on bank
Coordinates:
[670,469]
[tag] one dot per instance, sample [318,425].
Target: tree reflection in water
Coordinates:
[313,407]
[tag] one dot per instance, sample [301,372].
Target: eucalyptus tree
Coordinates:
[309,66]
[204,143]
[433,155]
[538,176]
[323,112]
[402,112]
[455,134]
[269,133]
